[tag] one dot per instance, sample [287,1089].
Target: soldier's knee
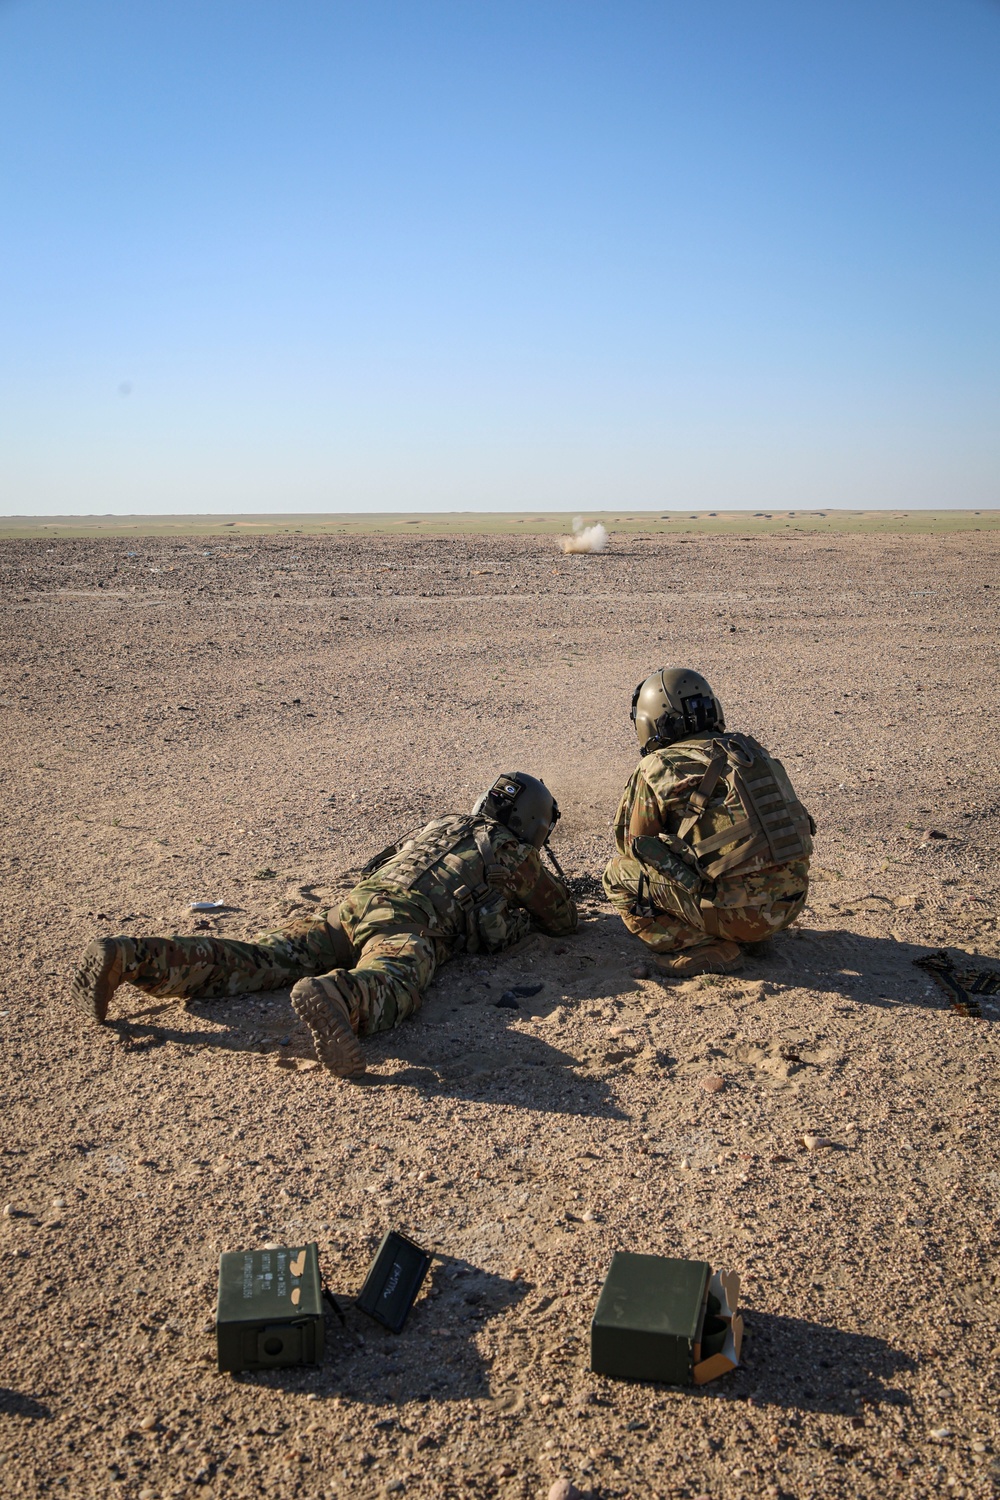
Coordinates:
[784,912]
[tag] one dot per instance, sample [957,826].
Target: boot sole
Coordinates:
[337,1048]
[703,966]
[96,980]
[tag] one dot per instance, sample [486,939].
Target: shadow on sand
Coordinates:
[877,971]
[434,1358]
[789,1363]
[495,1064]
[813,1367]
[14,1404]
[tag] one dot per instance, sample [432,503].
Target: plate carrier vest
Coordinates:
[433,855]
[773,827]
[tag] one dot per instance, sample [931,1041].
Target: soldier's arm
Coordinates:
[645,818]
[661,801]
[530,885]
[657,807]
[653,802]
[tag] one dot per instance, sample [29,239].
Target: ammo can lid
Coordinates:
[262,1285]
[653,1294]
[393,1280]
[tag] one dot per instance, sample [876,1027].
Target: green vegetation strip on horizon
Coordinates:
[470,523]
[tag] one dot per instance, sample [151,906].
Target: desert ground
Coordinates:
[246,718]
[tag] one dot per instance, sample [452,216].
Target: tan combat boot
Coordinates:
[104,965]
[715,957]
[324,1003]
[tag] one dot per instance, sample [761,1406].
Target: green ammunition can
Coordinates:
[270,1309]
[649,1318]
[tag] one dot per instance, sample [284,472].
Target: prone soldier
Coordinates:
[712,844]
[466,882]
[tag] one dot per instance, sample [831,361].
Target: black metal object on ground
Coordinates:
[393,1280]
[510,998]
[962,986]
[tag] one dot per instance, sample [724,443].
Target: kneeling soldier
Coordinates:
[464,883]
[712,843]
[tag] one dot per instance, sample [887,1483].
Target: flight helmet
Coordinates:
[671,704]
[523,804]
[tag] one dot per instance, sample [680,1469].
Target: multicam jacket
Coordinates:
[681,802]
[484,885]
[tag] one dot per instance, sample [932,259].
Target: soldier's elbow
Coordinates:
[560,926]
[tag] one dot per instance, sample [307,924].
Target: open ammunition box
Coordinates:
[270,1309]
[666,1320]
[393,1280]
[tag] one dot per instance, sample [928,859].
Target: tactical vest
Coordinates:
[455,882]
[770,824]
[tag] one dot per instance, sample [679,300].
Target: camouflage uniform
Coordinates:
[660,886]
[461,884]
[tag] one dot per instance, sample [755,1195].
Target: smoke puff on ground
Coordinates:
[586,538]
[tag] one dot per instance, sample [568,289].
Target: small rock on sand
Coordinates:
[713,1084]
[563,1489]
[816,1142]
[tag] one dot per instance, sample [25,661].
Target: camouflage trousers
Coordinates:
[672,916]
[381,935]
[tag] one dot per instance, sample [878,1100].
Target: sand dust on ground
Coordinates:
[246,720]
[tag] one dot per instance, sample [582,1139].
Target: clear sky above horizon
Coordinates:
[560,254]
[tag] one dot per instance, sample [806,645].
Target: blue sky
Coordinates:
[561,254]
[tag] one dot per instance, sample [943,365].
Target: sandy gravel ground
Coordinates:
[179,716]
